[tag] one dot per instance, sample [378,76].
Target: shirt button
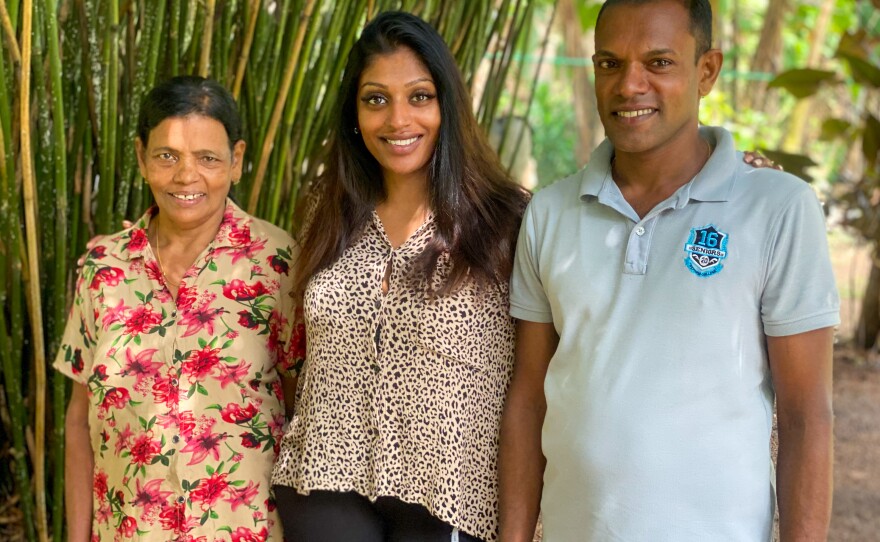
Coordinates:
[174,382]
[175,439]
[173,314]
[640,231]
[181,499]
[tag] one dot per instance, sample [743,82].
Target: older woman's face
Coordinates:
[398,114]
[190,167]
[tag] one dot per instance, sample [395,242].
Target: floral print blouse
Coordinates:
[186,409]
[401,394]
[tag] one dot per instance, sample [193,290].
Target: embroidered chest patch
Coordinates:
[705,249]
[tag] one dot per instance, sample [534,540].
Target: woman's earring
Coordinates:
[356,130]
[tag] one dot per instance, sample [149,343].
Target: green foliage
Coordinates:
[802,82]
[553,143]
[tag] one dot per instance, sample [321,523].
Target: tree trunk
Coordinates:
[586,117]
[795,138]
[768,54]
[869,319]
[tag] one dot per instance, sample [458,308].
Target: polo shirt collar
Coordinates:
[713,183]
[234,232]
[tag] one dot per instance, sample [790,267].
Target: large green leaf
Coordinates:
[853,49]
[871,140]
[863,71]
[803,82]
[834,128]
[796,164]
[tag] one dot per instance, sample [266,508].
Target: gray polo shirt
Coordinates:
[659,397]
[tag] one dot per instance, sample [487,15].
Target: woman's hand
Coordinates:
[756,159]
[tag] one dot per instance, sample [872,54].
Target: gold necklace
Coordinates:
[159,258]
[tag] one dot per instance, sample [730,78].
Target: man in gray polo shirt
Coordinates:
[666,294]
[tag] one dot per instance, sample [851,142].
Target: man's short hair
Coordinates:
[700,12]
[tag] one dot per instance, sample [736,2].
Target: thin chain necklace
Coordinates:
[159,257]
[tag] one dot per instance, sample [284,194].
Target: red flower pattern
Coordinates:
[141,320]
[235,413]
[109,276]
[210,490]
[138,240]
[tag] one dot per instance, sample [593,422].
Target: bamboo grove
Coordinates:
[72,73]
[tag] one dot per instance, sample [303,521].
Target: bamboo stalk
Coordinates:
[254,7]
[87,68]
[107,159]
[174,37]
[279,108]
[9,34]
[10,296]
[33,289]
[204,60]
[60,269]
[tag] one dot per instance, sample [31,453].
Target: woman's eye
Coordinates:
[422,97]
[374,99]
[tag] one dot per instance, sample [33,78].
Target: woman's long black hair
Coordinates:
[477,207]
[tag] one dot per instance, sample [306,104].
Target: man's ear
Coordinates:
[709,66]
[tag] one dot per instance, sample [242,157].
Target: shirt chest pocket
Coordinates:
[467,328]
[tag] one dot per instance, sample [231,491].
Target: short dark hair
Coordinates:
[477,207]
[186,95]
[699,11]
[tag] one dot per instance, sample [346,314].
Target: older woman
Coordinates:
[404,267]
[178,334]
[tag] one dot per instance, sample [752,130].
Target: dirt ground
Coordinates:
[856,512]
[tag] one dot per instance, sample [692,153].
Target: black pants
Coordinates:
[329,516]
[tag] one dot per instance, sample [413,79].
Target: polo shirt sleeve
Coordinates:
[75,354]
[528,299]
[799,294]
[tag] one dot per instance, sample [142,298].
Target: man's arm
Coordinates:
[801,366]
[79,466]
[520,460]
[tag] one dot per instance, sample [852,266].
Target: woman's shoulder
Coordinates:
[257,228]
[120,245]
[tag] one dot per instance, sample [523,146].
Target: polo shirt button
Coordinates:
[640,231]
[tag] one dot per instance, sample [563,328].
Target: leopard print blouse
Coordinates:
[401,394]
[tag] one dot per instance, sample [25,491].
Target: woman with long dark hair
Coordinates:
[406,250]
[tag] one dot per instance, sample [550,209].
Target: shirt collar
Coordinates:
[234,232]
[713,183]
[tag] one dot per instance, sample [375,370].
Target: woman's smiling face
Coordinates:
[399,114]
[190,167]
